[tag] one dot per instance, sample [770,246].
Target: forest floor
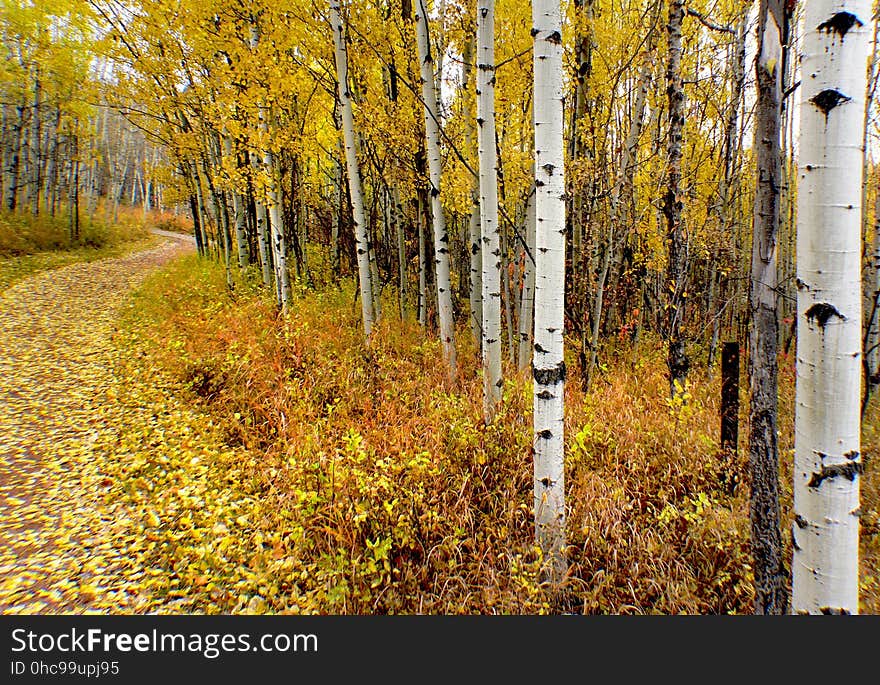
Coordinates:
[57,553]
[169,446]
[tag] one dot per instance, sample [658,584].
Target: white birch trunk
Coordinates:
[279,247]
[489,227]
[354,176]
[548,364]
[527,302]
[441,237]
[476,262]
[262,219]
[423,266]
[239,209]
[827,419]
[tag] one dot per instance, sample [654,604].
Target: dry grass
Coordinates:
[29,244]
[386,493]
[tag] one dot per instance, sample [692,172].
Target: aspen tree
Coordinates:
[827,418]
[354,177]
[527,301]
[475,250]
[238,209]
[548,362]
[432,141]
[489,227]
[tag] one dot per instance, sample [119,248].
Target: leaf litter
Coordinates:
[65,533]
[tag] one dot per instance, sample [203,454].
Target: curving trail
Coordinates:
[56,353]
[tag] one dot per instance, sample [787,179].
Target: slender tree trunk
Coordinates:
[262,226]
[871,304]
[423,262]
[200,206]
[549,365]
[208,161]
[769,572]
[14,162]
[36,179]
[75,212]
[375,281]
[475,240]
[400,229]
[729,185]
[527,302]
[872,332]
[276,227]
[828,464]
[489,227]
[676,274]
[583,46]
[362,245]
[441,236]
[239,210]
[872,315]
[50,188]
[336,216]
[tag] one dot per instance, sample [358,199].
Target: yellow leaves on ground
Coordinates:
[60,548]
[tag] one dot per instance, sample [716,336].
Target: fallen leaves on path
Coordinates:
[59,537]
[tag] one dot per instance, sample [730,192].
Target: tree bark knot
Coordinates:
[849,471]
[550,376]
[840,24]
[829,99]
[821,312]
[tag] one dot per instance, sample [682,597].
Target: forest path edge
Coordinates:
[56,359]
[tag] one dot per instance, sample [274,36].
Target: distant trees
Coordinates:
[60,148]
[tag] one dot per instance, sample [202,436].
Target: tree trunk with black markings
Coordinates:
[549,364]
[489,226]
[474,238]
[365,280]
[441,235]
[827,418]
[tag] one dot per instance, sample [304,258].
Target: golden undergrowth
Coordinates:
[358,481]
[31,244]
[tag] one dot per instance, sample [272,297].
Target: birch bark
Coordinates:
[476,261]
[548,364]
[362,245]
[827,418]
[432,141]
[489,227]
